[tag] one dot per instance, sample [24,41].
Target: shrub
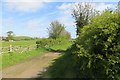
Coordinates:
[97,49]
[95,53]
[47,42]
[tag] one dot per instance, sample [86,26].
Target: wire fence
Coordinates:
[16,49]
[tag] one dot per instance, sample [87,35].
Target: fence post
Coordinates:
[37,46]
[10,49]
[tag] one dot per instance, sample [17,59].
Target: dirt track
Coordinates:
[30,68]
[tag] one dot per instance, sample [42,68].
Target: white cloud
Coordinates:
[28,0]
[66,20]
[25,5]
[67,7]
[86,0]
[103,6]
[66,10]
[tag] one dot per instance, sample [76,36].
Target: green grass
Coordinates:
[18,38]
[0,62]
[62,67]
[64,46]
[14,58]
[19,43]
[9,59]
[58,68]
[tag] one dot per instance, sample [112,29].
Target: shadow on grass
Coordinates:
[61,67]
[58,50]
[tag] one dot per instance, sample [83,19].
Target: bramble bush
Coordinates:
[97,49]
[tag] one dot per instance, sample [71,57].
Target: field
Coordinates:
[9,59]
[18,46]
[13,58]
[18,43]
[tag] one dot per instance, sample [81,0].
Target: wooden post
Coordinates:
[10,48]
[37,46]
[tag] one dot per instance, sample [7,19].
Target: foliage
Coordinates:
[95,53]
[10,35]
[45,42]
[57,30]
[62,46]
[49,42]
[97,49]
[62,67]
[82,12]
[9,59]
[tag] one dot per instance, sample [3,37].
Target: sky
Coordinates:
[33,17]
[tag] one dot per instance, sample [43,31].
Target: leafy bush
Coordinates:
[47,42]
[95,53]
[97,49]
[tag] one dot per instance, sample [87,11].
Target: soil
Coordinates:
[30,68]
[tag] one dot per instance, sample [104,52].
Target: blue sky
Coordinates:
[33,17]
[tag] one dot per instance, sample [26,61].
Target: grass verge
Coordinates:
[9,59]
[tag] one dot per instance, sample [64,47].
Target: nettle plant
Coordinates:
[97,52]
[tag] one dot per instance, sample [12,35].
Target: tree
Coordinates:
[82,12]
[10,35]
[57,30]
[118,7]
[65,34]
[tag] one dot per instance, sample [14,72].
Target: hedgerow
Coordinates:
[95,54]
[97,49]
[48,42]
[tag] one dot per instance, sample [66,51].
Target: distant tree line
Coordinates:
[11,37]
